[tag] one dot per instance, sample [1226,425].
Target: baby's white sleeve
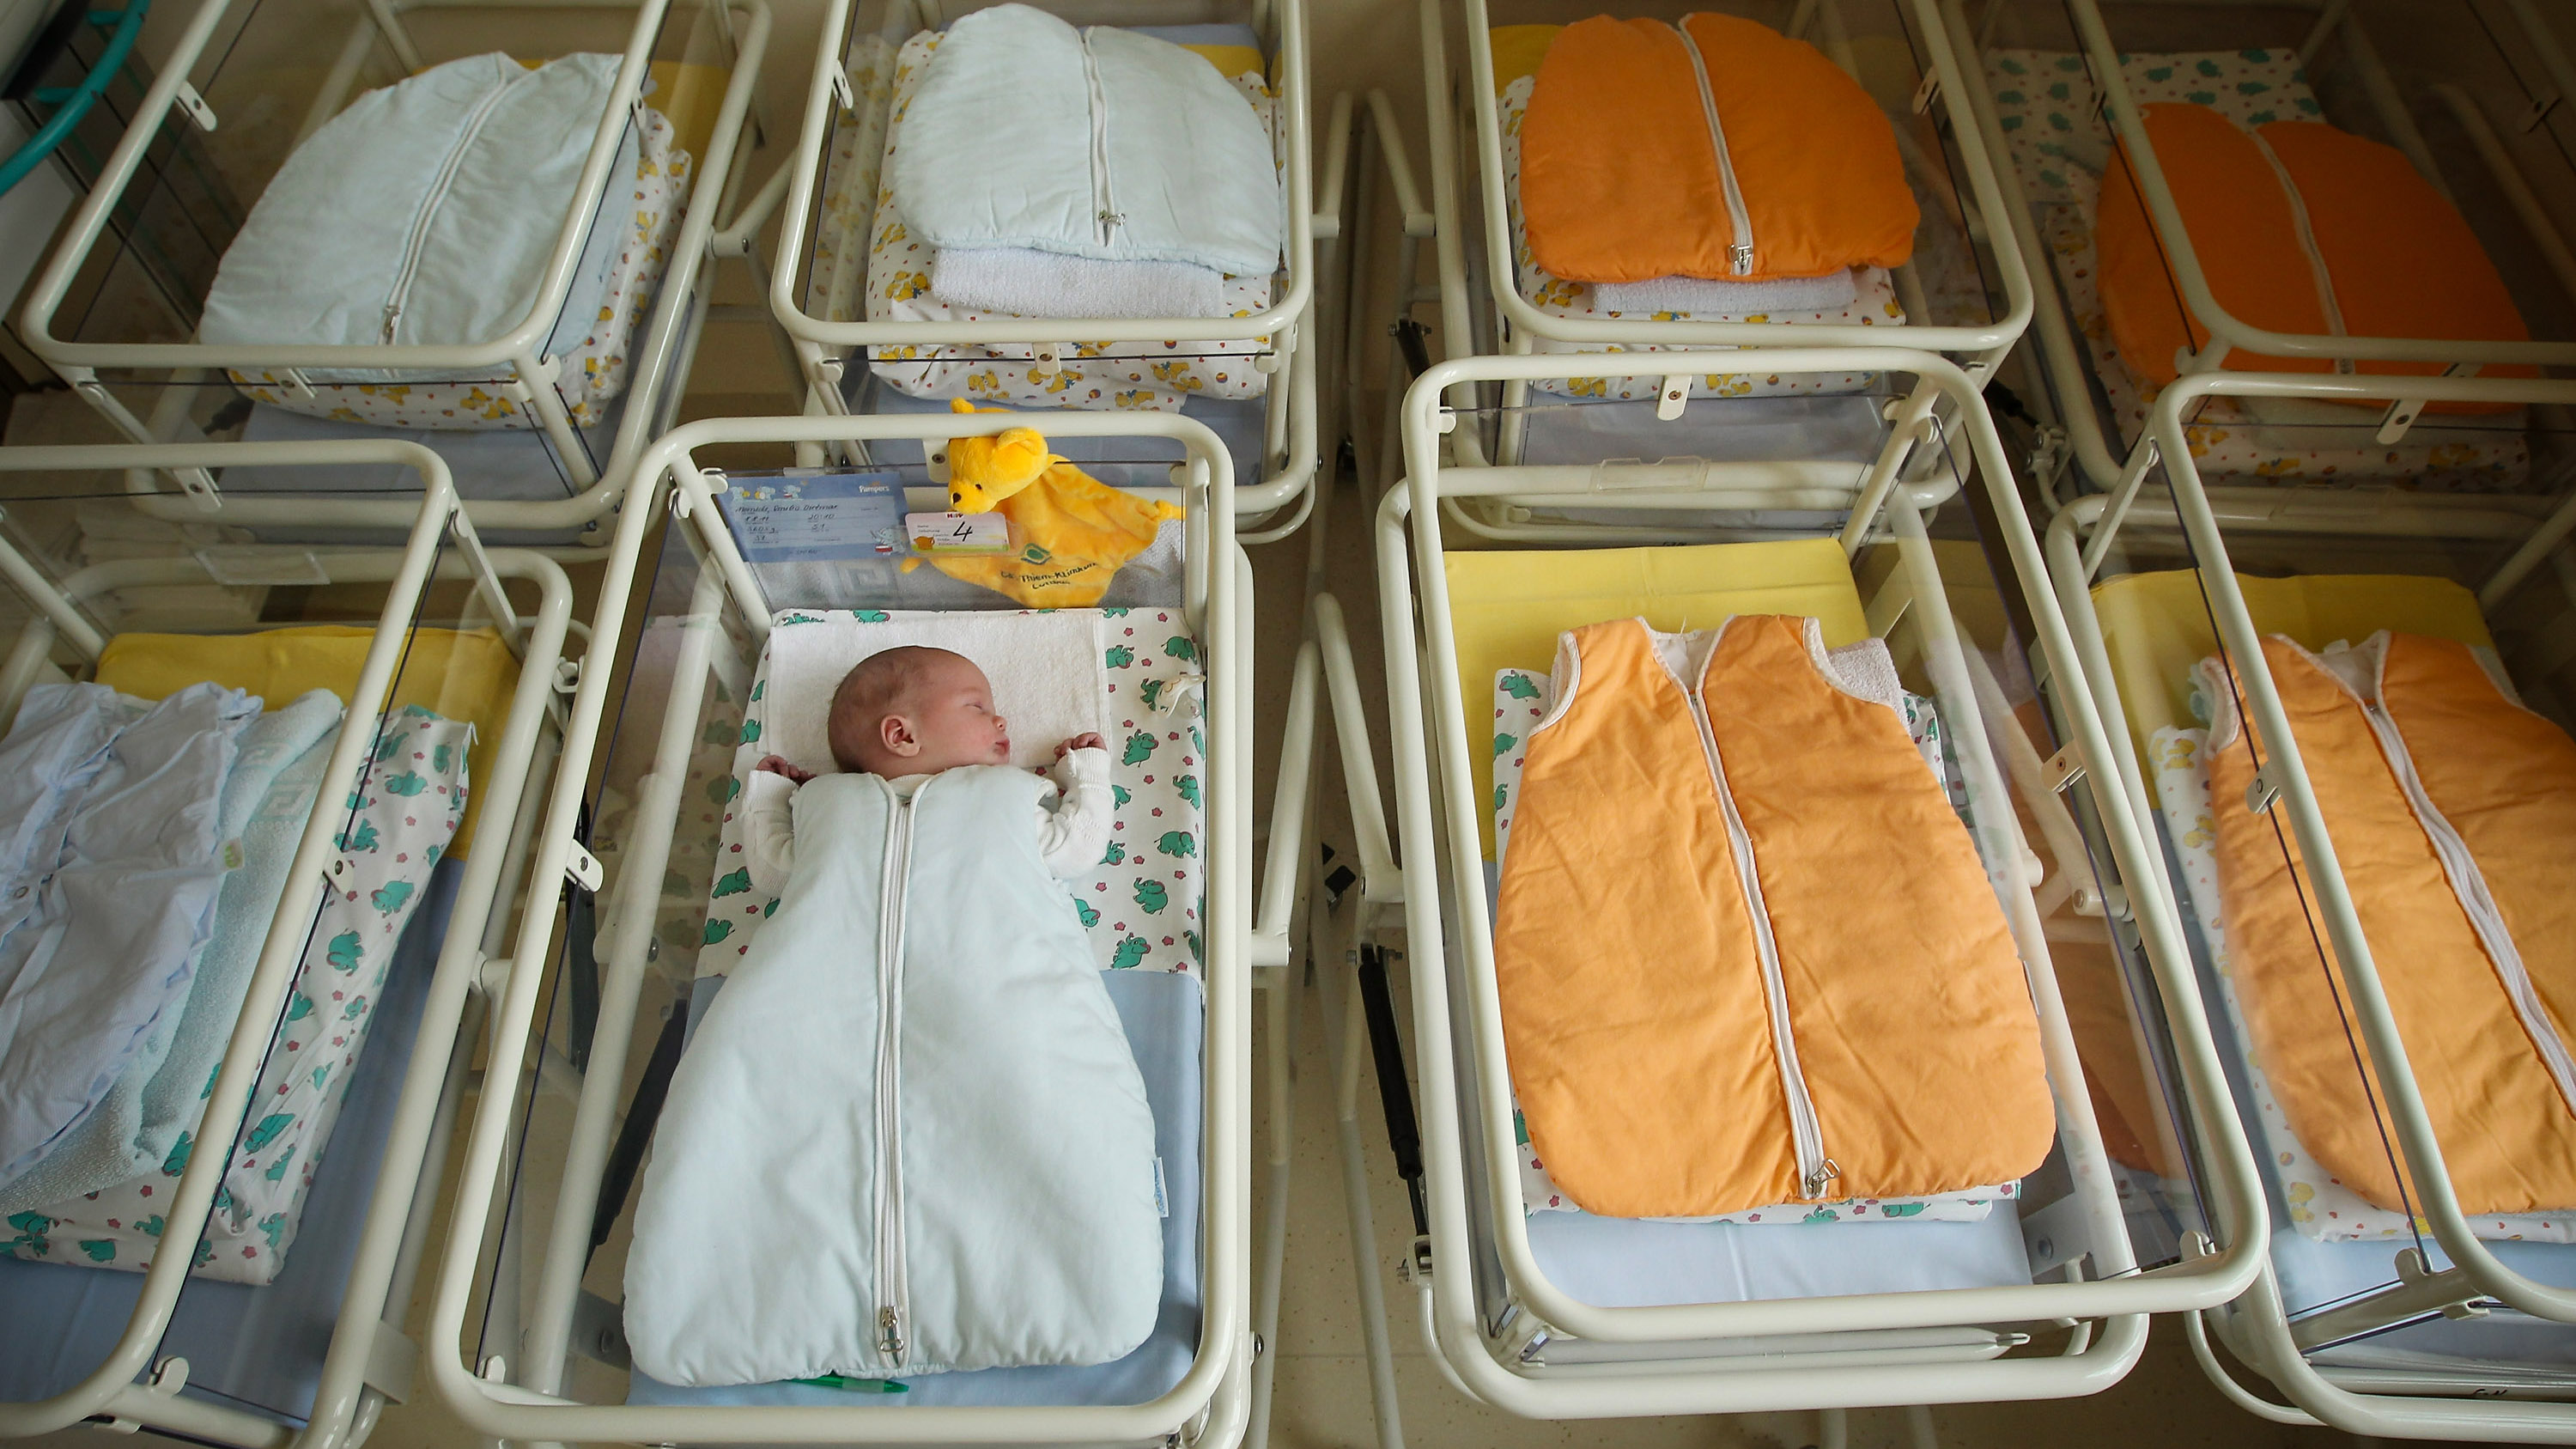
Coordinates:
[1075,833]
[769,831]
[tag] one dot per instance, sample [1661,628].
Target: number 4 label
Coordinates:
[958,532]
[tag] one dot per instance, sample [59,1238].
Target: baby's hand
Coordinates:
[1080,742]
[777,765]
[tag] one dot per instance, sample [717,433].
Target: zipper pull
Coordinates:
[890,1332]
[393,314]
[1826,1171]
[1740,256]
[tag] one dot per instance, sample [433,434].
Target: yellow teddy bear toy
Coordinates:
[1070,532]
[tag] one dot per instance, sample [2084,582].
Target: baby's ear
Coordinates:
[896,732]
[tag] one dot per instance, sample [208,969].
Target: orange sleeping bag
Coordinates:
[1720,149]
[2299,228]
[2463,898]
[1746,952]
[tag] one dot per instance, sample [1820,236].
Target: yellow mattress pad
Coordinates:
[466,675]
[2156,627]
[1507,608]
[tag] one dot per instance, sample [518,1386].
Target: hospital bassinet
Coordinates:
[1871,77]
[736,657]
[853,282]
[2141,143]
[2406,1293]
[324,1049]
[422,239]
[1812,1302]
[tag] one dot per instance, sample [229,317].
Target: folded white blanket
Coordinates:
[1027,282]
[1700,296]
[1045,668]
[1100,143]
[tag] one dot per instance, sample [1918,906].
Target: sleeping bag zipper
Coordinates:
[893,1289]
[438,189]
[2469,884]
[1739,253]
[1104,209]
[2301,228]
[1806,1134]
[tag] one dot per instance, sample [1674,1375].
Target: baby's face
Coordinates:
[953,720]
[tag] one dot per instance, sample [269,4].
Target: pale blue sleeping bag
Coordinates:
[909,1137]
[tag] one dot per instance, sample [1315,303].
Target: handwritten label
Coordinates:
[815,516]
[958,532]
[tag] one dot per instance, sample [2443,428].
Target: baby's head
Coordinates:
[916,711]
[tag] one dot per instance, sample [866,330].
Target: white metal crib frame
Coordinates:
[1878,1349]
[1521,324]
[823,347]
[2257,1326]
[523,1399]
[660,353]
[2089,440]
[370,1360]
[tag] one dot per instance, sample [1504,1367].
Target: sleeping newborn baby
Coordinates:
[908,1136]
[906,714]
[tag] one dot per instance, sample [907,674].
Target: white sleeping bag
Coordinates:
[425,214]
[1095,143]
[909,1137]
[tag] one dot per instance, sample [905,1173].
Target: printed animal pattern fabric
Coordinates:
[1520,700]
[1875,306]
[1159,376]
[401,814]
[1145,907]
[587,378]
[2319,1203]
[2060,145]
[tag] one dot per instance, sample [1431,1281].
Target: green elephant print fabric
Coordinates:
[391,826]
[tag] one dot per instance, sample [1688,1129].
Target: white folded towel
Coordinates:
[1027,282]
[1047,671]
[1700,296]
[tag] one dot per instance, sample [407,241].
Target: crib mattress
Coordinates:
[1633,1263]
[1164,1016]
[2060,146]
[258,1348]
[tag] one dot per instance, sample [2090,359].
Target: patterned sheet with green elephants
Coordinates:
[1143,908]
[1520,702]
[401,816]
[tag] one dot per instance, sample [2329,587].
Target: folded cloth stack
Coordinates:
[150,849]
[1713,167]
[1083,173]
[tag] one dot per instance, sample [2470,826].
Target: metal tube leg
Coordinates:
[1342,1021]
[1282,1024]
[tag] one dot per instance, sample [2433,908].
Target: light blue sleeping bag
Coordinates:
[1099,143]
[909,1137]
